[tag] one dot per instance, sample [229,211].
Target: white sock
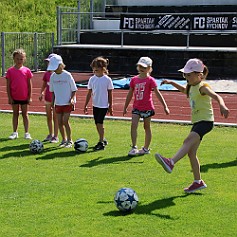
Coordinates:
[198,181]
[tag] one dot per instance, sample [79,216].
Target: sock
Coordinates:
[198,181]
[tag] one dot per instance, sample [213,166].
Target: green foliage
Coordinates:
[34,15]
[62,193]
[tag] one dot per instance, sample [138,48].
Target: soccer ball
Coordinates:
[36,146]
[126,199]
[81,145]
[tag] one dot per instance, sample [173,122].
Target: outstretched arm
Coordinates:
[208,91]
[176,85]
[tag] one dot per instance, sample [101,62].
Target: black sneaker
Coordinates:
[99,146]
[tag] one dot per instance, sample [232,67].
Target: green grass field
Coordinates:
[62,193]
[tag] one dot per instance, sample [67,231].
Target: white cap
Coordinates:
[50,56]
[54,62]
[145,62]
[193,65]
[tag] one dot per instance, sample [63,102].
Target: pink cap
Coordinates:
[193,65]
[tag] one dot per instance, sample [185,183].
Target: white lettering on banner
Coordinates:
[199,23]
[144,23]
[184,24]
[174,22]
[129,22]
[164,19]
[217,26]
[167,22]
[217,20]
[179,23]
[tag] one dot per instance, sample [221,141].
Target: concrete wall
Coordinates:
[174,2]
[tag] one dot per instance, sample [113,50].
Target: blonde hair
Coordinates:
[100,62]
[19,51]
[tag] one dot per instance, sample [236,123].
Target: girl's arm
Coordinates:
[42,90]
[208,91]
[88,97]
[29,90]
[110,98]
[9,92]
[162,100]
[72,101]
[128,99]
[53,99]
[176,85]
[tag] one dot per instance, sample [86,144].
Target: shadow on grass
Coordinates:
[205,168]
[148,209]
[21,150]
[110,160]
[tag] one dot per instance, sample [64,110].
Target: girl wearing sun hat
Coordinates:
[200,95]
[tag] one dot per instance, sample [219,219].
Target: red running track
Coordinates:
[177,102]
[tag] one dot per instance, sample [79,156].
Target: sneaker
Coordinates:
[99,146]
[27,136]
[54,140]
[48,138]
[133,152]
[105,142]
[143,151]
[62,143]
[69,144]
[13,136]
[164,162]
[195,186]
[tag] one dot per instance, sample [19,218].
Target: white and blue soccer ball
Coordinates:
[36,146]
[81,145]
[126,199]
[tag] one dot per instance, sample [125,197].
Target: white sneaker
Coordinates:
[27,136]
[143,151]
[14,135]
[69,144]
[133,151]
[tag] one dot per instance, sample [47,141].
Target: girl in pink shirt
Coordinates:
[19,91]
[52,120]
[141,87]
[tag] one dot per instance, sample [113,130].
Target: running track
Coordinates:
[177,102]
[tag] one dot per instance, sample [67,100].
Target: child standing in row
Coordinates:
[63,88]
[52,120]
[100,87]
[200,95]
[19,91]
[142,86]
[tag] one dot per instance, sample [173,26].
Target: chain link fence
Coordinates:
[36,45]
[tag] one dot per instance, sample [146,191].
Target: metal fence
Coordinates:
[71,24]
[36,45]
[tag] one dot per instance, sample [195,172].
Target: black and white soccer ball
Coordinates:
[81,145]
[126,199]
[36,146]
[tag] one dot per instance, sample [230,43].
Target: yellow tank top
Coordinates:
[201,105]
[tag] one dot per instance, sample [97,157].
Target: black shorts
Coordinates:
[99,114]
[143,114]
[20,102]
[202,128]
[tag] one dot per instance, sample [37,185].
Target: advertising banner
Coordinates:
[203,22]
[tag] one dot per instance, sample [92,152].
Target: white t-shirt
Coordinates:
[100,87]
[62,85]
